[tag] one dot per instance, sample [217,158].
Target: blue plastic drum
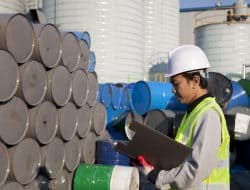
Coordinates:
[92,61]
[114,116]
[238,98]
[83,36]
[147,96]
[106,94]
[116,95]
[105,154]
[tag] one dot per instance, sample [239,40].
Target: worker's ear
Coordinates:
[196,81]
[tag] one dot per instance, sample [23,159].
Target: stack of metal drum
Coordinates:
[49,114]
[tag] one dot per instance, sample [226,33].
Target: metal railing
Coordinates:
[244,67]
[219,17]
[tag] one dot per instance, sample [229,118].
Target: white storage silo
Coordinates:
[49,10]
[161,27]
[225,39]
[116,30]
[226,45]
[12,7]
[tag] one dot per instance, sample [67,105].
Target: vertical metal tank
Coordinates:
[226,41]
[12,7]
[116,30]
[226,45]
[161,31]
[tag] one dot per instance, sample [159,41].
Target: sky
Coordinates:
[204,3]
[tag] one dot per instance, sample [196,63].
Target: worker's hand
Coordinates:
[145,167]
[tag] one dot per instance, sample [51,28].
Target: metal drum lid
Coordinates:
[161,120]
[88,148]
[72,154]
[68,121]
[45,122]
[85,53]
[26,161]
[50,45]
[33,83]
[14,121]
[93,89]
[124,178]
[9,73]
[99,118]
[70,51]
[20,38]
[4,163]
[53,156]
[80,87]
[12,186]
[129,118]
[61,86]
[62,182]
[84,115]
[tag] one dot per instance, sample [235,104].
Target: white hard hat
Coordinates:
[186,58]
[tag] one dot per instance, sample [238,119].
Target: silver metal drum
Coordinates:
[161,120]
[59,85]
[88,145]
[72,154]
[70,51]
[4,163]
[14,121]
[12,185]
[33,82]
[80,87]
[17,36]
[43,122]
[40,183]
[9,73]
[129,118]
[104,136]
[48,45]
[26,161]
[53,157]
[99,118]
[62,182]
[93,89]
[84,115]
[85,53]
[67,121]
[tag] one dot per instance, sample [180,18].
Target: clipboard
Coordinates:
[158,149]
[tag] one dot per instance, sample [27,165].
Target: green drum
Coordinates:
[92,177]
[245,84]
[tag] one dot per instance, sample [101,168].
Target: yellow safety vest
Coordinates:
[219,179]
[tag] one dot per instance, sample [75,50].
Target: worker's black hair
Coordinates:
[190,76]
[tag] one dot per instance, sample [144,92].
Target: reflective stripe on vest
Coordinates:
[219,178]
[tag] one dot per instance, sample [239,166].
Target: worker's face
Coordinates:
[185,90]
